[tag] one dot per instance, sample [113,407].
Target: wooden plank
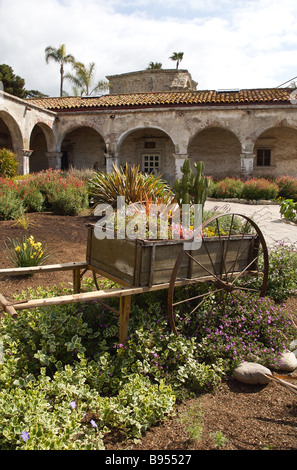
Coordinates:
[76,281]
[45,268]
[7,307]
[125,307]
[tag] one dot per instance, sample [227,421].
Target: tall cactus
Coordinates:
[190,190]
[201,185]
[183,186]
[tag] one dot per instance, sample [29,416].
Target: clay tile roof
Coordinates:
[161,99]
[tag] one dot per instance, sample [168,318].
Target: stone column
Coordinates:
[247,165]
[54,160]
[111,160]
[24,163]
[179,161]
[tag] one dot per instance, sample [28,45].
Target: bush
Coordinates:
[228,188]
[62,193]
[241,327]
[287,187]
[8,164]
[32,198]
[288,209]
[11,206]
[259,188]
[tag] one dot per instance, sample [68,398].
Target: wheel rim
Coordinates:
[222,262]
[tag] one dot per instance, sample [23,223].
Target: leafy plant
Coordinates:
[129,183]
[288,209]
[26,252]
[8,163]
[11,206]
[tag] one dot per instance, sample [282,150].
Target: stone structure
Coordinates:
[236,133]
[152,80]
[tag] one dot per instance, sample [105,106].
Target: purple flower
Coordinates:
[93,423]
[25,436]
[73,404]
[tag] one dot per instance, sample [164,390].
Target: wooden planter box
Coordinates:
[143,263]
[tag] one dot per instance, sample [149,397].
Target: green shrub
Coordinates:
[8,164]
[228,188]
[32,197]
[240,327]
[288,209]
[63,193]
[259,188]
[68,201]
[11,205]
[287,187]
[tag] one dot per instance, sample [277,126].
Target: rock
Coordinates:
[288,362]
[251,373]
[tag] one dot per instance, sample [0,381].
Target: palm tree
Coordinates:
[83,79]
[178,57]
[154,65]
[59,55]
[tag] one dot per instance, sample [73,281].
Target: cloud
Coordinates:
[242,43]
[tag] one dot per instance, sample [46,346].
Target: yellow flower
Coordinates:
[25,246]
[17,248]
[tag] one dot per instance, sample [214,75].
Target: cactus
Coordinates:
[190,190]
[201,185]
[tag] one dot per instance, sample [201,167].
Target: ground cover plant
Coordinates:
[73,384]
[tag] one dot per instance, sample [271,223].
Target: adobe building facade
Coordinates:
[155,119]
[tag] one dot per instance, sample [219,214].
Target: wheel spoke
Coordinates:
[196,297]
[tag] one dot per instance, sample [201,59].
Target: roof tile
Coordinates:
[197,98]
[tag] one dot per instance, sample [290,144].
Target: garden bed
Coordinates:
[249,417]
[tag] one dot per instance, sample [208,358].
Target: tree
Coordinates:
[83,79]
[12,84]
[154,65]
[59,55]
[178,57]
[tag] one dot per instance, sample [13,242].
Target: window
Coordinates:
[149,145]
[263,157]
[150,163]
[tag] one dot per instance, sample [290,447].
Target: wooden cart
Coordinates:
[222,261]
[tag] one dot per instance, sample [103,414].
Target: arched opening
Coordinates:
[276,152]
[151,149]
[10,134]
[220,151]
[38,144]
[5,137]
[81,148]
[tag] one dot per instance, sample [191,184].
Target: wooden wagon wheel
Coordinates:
[235,249]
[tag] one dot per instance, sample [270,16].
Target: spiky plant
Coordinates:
[130,183]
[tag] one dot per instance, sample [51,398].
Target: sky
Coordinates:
[226,43]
